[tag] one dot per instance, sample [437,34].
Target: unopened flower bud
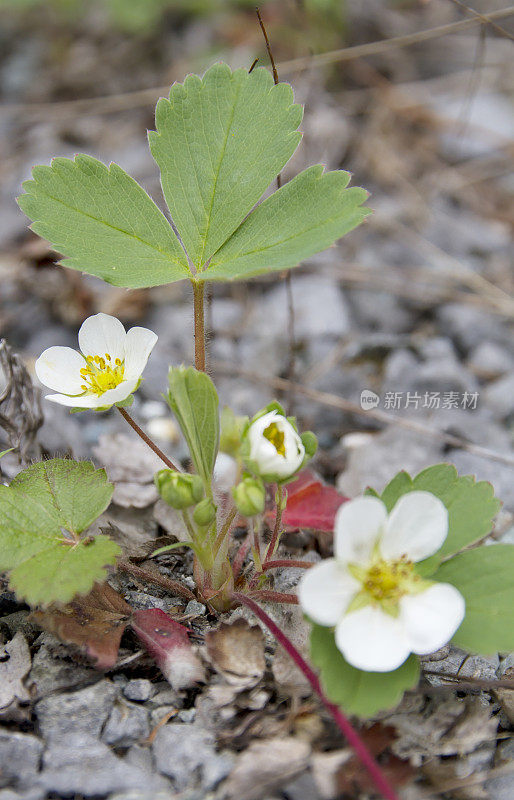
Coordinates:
[178,489]
[205,512]
[249,497]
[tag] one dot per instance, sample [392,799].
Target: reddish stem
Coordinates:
[339,718]
[278,524]
[286,562]
[240,556]
[140,432]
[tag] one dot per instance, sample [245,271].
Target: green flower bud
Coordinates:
[249,496]
[231,430]
[205,512]
[179,489]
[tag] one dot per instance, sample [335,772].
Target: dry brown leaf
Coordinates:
[265,765]
[236,651]
[15,663]
[95,622]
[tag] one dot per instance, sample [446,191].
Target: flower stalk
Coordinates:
[146,439]
[199,321]
[342,722]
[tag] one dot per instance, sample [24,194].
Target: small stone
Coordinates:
[489,359]
[187,715]
[20,754]
[82,765]
[85,711]
[127,724]
[186,754]
[50,672]
[499,396]
[506,667]
[139,689]
[19,621]
[470,326]
[195,609]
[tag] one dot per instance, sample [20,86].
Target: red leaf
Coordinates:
[168,643]
[94,622]
[310,504]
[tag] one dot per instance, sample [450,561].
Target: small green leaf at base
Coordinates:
[57,574]
[42,514]
[355,691]
[484,576]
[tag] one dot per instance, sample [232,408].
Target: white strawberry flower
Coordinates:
[106,371]
[275,449]
[381,608]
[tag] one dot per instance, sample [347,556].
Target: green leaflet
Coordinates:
[484,578]
[194,401]
[104,222]
[471,506]
[42,513]
[220,142]
[305,216]
[358,692]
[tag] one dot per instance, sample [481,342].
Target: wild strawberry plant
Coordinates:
[399,585]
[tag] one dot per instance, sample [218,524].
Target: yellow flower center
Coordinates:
[384,583]
[274,435]
[388,580]
[100,374]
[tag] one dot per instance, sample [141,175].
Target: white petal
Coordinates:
[372,640]
[325,592]
[432,617]
[264,453]
[417,527]
[121,392]
[139,343]
[101,334]
[59,369]
[358,524]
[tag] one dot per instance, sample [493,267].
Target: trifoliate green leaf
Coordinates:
[358,692]
[484,578]
[305,216]
[471,505]
[194,401]
[220,142]
[42,514]
[104,222]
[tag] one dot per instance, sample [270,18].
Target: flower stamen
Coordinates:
[274,435]
[99,375]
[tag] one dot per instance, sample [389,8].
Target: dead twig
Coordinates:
[143,97]
[332,400]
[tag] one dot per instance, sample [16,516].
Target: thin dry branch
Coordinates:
[143,97]
[332,400]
